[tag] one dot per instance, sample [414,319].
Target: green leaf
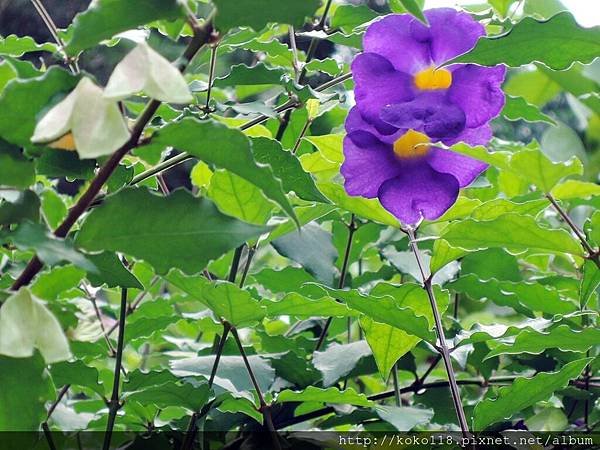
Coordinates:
[49,285]
[443,254]
[186,395]
[533,85]
[524,392]
[500,206]
[7,73]
[562,337]
[312,248]
[517,108]
[225,299]
[571,189]
[545,173]
[391,310]
[297,305]
[517,295]
[511,231]
[243,75]
[240,405]
[56,164]
[76,373]
[348,17]
[412,6]
[23,100]
[15,170]
[105,18]
[48,248]
[589,282]
[96,124]
[258,13]
[25,389]
[26,206]
[17,46]
[332,395]
[26,325]
[387,343]
[557,43]
[363,207]
[287,168]
[232,153]
[112,272]
[175,231]
[239,198]
[145,70]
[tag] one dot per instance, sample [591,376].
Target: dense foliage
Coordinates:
[179,252]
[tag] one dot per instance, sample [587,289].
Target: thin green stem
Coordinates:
[396,385]
[439,328]
[342,281]
[114,404]
[211,75]
[301,135]
[235,263]
[249,257]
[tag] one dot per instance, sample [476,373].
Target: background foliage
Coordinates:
[178,293]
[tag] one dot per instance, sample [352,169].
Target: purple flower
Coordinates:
[404,103]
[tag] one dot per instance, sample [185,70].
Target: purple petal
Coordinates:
[419,191]
[452,33]
[377,84]
[368,163]
[477,90]
[355,121]
[402,39]
[430,113]
[472,136]
[463,168]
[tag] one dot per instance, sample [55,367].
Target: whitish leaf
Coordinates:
[557,42]
[516,108]
[145,70]
[312,248]
[404,418]
[524,392]
[105,18]
[227,148]
[511,231]
[26,325]
[338,360]
[561,337]
[388,344]
[175,231]
[96,124]
[332,395]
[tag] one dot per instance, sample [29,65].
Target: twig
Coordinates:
[351,230]
[396,385]
[264,407]
[211,75]
[251,252]
[443,347]
[593,254]
[235,263]
[52,28]
[201,36]
[114,405]
[310,53]
[295,62]
[301,135]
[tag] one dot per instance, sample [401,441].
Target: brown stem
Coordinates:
[439,328]
[201,36]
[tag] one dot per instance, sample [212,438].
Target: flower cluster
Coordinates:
[406,102]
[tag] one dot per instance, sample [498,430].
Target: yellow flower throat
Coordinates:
[431,79]
[411,144]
